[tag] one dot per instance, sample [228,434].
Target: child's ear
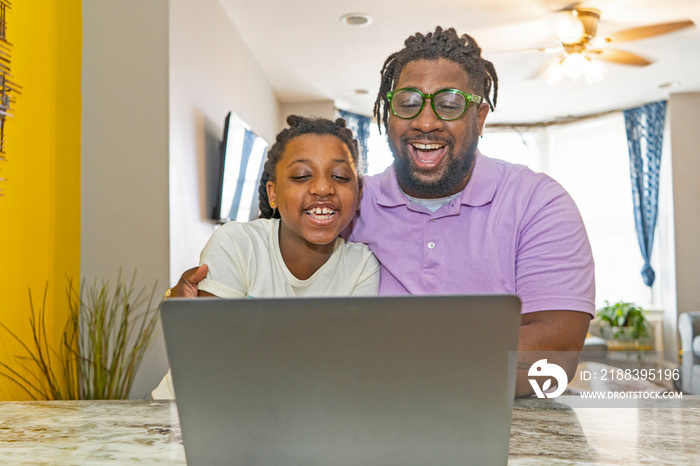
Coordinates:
[271,194]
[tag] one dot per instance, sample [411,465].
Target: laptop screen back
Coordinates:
[382,380]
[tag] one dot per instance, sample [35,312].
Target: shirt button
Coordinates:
[431,245]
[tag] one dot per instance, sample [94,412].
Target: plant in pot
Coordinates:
[625,326]
[105,337]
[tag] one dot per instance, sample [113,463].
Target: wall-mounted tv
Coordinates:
[242,159]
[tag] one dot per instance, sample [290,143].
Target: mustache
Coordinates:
[405,140]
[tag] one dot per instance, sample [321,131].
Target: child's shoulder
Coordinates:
[257,231]
[356,258]
[353,251]
[257,226]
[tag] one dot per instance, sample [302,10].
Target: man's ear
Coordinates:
[359,193]
[271,194]
[482,110]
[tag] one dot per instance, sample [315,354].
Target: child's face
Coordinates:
[316,189]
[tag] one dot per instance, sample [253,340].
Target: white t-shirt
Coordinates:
[244,260]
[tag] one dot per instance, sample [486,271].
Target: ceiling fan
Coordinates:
[581,50]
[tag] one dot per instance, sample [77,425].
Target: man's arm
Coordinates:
[556,335]
[187,286]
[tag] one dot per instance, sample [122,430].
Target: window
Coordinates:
[378,153]
[513,146]
[590,159]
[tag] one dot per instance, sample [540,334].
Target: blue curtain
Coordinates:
[645,131]
[360,127]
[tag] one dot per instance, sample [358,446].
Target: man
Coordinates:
[444,219]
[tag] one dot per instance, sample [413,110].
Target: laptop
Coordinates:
[411,380]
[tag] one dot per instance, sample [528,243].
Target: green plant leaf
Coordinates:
[105,337]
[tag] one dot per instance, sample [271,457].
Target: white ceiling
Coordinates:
[309,55]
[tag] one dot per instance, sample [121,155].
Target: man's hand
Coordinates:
[555,335]
[188,287]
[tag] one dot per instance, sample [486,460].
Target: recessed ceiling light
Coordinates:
[356,19]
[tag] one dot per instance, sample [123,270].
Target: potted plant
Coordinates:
[106,335]
[625,326]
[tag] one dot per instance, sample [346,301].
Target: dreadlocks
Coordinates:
[439,44]
[299,125]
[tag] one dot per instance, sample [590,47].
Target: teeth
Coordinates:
[427,146]
[321,211]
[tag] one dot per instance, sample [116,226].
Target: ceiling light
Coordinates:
[356,19]
[568,28]
[554,74]
[576,66]
[597,42]
[595,71]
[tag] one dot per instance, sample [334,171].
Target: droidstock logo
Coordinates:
[542,368]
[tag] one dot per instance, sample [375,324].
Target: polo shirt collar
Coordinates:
[390,194]
[479,191]
[482,185]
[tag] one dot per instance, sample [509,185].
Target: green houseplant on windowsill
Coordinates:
[625,327]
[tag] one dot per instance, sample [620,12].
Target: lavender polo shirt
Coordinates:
[510,231]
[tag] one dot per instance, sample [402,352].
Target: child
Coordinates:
[309,192]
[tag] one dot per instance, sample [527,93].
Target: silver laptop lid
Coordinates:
[344,381]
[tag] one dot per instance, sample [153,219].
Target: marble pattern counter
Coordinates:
[147,433]
[552,432]
[54,433]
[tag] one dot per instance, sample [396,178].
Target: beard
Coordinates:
[442,181]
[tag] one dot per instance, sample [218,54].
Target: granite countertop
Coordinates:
[90,433]
[555,433]
[148,433]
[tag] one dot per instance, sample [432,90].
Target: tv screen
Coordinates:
[242,159]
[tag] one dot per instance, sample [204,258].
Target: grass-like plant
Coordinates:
[104,340]
[48,373]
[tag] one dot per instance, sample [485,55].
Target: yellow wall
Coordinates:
[40,210]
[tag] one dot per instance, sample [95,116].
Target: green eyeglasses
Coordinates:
[448,104]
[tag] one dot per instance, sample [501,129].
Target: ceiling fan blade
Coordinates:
[542,69]
[621,57]
[644,32]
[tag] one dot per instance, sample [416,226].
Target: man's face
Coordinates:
[434,158]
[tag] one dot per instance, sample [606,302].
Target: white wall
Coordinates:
[211,73]
[158,79]
[319,109]
[125,147]
[665,248]
[684,112]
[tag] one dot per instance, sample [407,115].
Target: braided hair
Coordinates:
[439,44]
[299,125]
